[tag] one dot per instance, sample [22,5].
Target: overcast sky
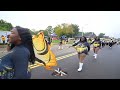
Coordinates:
[107,22]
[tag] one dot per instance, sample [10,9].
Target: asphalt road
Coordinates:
[107,66]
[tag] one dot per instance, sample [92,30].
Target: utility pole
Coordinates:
[82,31]
[82,28]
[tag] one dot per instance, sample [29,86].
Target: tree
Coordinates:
[69,30]
[45,32]
[5,26]
[101,35]
[79,34]
[32,32]
[50,30]
[89,34]
[75,29]
[58,30]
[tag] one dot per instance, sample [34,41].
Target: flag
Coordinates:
[43,52]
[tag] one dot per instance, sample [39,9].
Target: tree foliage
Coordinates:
[49,30]
[101,35]
[5,26]
[69,30]
[75,29]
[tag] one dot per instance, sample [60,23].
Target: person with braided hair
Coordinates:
[14,65]
[96,46]
[82,47]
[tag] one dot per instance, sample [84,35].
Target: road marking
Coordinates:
[65,56]
[37,64]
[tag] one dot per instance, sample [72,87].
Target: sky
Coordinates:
[107,22]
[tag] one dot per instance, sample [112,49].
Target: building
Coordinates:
[87,35]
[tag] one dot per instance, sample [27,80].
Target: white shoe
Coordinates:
[59,47]
[80,67]
[95,56]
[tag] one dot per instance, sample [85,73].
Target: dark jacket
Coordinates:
[17,60]
[86,44]
[98,42]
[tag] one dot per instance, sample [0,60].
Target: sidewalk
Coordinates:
[64,51]
[54,48]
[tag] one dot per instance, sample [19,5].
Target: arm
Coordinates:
[100,44]
[20,61]
[75,43]
[92,42]
[88,46]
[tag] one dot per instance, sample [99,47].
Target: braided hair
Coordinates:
[26,39]
[85,39]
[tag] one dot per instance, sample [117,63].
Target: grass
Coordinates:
[70,42]
[2,43]
[3,46]
[55,42]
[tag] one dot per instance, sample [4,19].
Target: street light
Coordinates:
[82,31]
[83,27]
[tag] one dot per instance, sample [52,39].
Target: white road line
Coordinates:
[37,64]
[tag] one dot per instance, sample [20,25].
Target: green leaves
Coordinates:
[5,26]
[49,29]
[69,30]
[101,35]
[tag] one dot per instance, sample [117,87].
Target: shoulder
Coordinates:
[21,49]
[86,43]
[78,42]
